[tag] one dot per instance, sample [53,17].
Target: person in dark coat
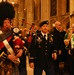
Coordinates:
[59,46]
[41,49]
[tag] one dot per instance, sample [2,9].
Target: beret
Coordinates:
[43,22]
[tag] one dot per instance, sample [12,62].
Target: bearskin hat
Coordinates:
[6,11]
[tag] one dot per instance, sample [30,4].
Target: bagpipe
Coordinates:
[18,42]
[4,43]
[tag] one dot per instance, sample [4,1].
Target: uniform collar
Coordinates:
[44,34]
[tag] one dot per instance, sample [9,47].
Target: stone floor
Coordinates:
[30,70]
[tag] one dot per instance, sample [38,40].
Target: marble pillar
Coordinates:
[45,10]
[71,12]
[30,12]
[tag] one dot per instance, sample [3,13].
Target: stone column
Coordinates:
[37,9]
[30,12]
[59,10]
[45,10]
[71,12]
[21,13]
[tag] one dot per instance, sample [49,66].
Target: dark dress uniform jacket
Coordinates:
[41,51]
[58,38]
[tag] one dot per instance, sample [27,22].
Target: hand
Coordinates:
[19,53]
[31,65]
[12,57]
[66,42]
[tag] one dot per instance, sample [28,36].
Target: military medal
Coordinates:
[39,40]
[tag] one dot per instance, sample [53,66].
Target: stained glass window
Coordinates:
[53,7]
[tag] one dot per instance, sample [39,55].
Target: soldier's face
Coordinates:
[6,24]
[44,28]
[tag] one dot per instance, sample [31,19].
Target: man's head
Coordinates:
[6,24]
[44,26]
[58,25]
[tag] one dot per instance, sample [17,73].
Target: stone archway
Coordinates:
[66,22]
[52,21]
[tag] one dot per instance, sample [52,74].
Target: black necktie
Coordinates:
[45,37]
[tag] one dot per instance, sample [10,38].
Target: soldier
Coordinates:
[41,51]
[8,60]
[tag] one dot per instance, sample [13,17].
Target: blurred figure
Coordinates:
[8,60]
[33,30]
[59,47]
[69,43]
[21,43]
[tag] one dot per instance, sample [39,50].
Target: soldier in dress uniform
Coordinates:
[8,59]
[41,51]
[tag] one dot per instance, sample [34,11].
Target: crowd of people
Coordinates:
[48,50]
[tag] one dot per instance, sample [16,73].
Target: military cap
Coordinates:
[43,22]
[6,12]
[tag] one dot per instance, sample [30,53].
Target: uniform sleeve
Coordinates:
[32,50]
